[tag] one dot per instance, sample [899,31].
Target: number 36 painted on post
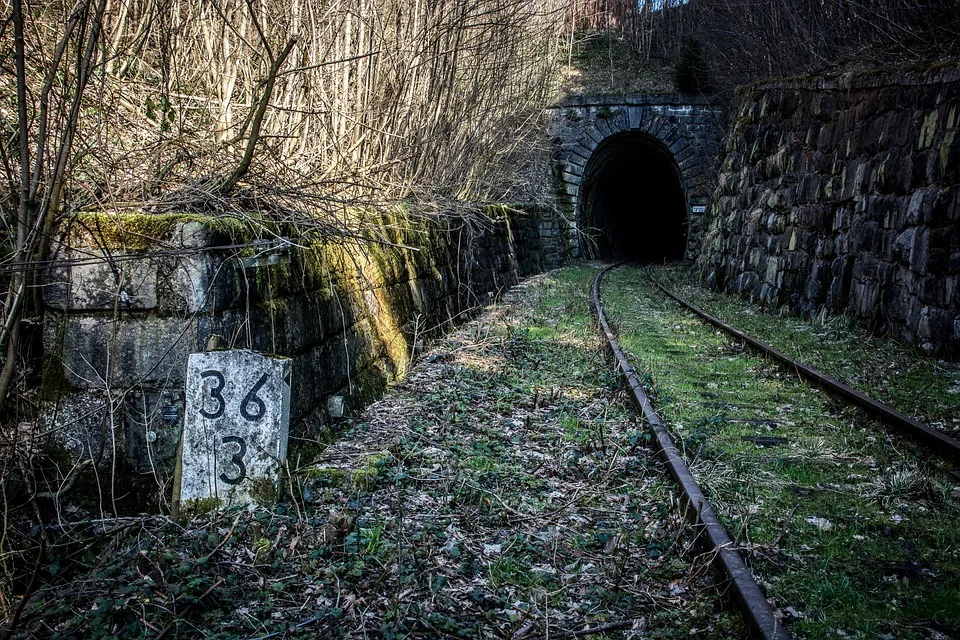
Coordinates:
[236,424]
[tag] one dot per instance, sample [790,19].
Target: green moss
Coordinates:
[326,477]
[840,481]
[272,281]
[363,478]
[371,383]
[945,147]
[928,129]
[137,231]
[199,506]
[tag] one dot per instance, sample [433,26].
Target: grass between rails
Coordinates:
[852,531]
[502,490]
[896,374]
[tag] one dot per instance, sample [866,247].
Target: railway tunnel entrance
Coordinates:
[632,202]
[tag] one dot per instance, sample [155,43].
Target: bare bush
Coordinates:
[288,113]
[296,107]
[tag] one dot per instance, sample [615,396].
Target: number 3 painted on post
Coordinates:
[216,393]
[236,459]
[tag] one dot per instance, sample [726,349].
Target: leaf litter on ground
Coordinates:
[503,490]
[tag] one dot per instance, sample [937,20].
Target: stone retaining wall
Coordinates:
[842,193]
[145,291]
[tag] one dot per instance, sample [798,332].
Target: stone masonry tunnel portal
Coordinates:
[632,201]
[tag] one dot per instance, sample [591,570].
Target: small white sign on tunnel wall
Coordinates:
[236,425]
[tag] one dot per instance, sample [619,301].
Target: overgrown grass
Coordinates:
[894,373]
[853,531]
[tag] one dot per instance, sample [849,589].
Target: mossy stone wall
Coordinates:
[144,291]
[841,193]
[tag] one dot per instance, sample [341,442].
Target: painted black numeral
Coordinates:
[253,399]
[216,393]
[237,460]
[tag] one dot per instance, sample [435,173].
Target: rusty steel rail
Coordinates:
[939,441]
[757,611]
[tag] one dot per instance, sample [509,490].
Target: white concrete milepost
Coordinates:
[236,425]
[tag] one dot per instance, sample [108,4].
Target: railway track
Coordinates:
[756,609]
[942,443]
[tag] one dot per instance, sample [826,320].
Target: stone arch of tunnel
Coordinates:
[632,203]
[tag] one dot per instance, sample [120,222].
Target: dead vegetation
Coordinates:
[288,116]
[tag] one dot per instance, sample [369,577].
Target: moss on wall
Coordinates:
[139,231]
[838,194]
[346,310]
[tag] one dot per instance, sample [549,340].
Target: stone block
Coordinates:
[903,245]
[120,281]
[948,152]
[194,235]
[894,302]
[141,350]
[593,134]
[874,137]
[928,129]
[634,116]
[200,283]
[153,421]
[942,207]
[918,207]
[938,261]
[772,271]
[305,322]
[813,285]
[933,291]
[884,174]
[80,423]
[825,138]
[953,211]
[840,271]
[866,234]
[767,294]
[935,326]
[603,127]
[864,296]
[824,247]
[920,254]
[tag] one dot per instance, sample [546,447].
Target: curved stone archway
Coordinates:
[636,172]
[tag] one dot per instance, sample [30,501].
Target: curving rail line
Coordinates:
[757,611]
[939,441]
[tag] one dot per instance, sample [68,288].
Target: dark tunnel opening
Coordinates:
[632,201]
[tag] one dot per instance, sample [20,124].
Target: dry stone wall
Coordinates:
[140,293]
[841,193]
